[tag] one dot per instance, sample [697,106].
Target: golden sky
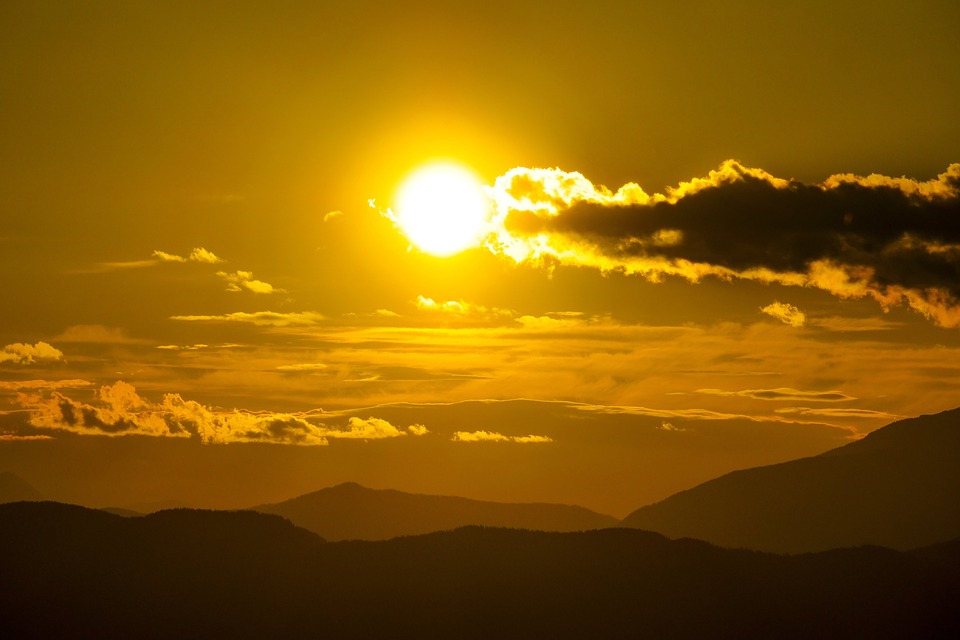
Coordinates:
[714,235]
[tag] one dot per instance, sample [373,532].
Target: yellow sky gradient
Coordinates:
[718,237]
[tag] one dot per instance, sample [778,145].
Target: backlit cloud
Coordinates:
[493,436]
[462,308]
[785,313]
[244,281]
[782,394]
[22,353]
[118,410]
[260,318]
[894,240]
[18,385]
[199,254]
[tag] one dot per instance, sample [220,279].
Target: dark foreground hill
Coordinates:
[899,487]
[69,572]
[351,512]
[13,488]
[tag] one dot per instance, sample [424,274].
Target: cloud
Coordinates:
[304,367]
[18,385]
[330,215]
[782,394]
[492,436]
[163,256]
[243,280]
[97,334]
[894,240]
[374,429]
[22,353]
[118,410]
[785,313]
[260,318]
[462,308]
[839,413]
[199,254]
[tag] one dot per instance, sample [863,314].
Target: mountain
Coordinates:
[351,512]
[67,571]
[898,487]
[13,488]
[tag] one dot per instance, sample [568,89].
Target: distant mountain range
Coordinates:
[13,488]
[899,487]
[351,512]
[67,571]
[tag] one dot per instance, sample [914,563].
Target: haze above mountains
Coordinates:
[899,488]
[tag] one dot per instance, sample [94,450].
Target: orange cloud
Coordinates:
[244,281]
[260,318]
[23,354]
[119,410]
[492,436]
[785,313]
[199,254]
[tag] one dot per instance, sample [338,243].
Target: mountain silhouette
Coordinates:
[351,512]
[898,487]
[13,488]
[67,571]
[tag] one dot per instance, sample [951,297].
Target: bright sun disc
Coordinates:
[442,209]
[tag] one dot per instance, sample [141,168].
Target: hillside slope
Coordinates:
[899,487]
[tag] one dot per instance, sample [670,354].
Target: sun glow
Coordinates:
[442,209]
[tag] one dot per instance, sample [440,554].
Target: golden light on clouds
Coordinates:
[442,209]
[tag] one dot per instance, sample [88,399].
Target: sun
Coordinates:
[442,209]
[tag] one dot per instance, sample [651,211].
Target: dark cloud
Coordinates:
[893,239]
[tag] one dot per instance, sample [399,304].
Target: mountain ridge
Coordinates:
[351,511]
[898,487]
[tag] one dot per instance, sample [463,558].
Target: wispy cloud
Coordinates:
[305,367]
[24,354]
[782,394]
[894,240]
[838,413]
[260,318]
[493,436]
[18,385]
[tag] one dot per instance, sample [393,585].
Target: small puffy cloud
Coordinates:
[785,313]
[782,393]
[22,353]
[260,318]
[244,281]
[199,254]
[894,240]
[493,436]
[667,426]
[330,215]
[373,429]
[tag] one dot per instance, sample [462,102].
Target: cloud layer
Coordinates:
[895,240]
